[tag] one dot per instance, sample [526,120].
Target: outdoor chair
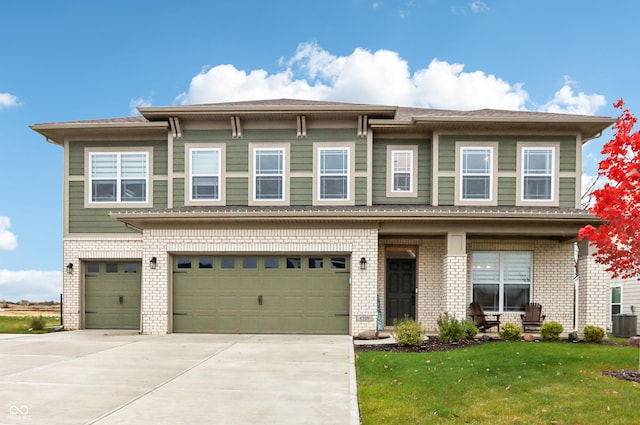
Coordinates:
[532,317]
[480,319]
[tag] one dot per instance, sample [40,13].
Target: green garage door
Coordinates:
[112,295]
[261,294]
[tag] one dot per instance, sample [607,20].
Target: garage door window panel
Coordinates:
[294,263]
[271,263]
[227,263]
[316,263]
[205,263]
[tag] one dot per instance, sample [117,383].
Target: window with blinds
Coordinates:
[119,177]
[502,280]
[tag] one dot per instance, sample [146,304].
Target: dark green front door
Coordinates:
[400,290]
[304,294]
[112,295]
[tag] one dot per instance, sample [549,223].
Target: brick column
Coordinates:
[455,275]
[594,290]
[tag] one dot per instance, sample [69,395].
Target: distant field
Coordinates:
[19,324]
[34,309]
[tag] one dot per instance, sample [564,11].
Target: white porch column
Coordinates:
[455,275]
[595,291]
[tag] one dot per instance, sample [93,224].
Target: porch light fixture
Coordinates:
[70,268]
[153,263]
[363,263]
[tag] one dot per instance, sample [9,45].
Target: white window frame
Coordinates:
[461,148]
[277,174]
[285,150]
[553,200]
[188,174]
[119,153]
[501,280]
[611,303]
[319,148]
[192,174]
[392,150]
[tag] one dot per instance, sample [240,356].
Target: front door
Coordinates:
[400,290]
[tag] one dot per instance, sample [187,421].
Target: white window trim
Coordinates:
[616,285]
[285,148]
[555,177]
[391,150]
[502,283]
[493,178]
[89,152]
[350,148]
[188,195]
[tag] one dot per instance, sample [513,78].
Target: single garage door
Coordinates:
[261,294]
[112,295]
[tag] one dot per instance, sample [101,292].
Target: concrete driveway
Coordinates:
[112,377]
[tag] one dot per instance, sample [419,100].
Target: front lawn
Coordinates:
[21,324]
[499,383]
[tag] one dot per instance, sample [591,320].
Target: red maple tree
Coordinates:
[617,203]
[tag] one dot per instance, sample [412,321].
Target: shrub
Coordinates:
[470,329]
[593,334]
[37,323]
[408,332]
[551,331]
[450,329]
[510,332]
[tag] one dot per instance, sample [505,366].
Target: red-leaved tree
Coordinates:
[617,204]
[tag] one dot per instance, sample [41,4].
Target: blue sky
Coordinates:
[74,60]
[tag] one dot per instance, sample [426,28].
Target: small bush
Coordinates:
[510,332]
[408,332]
[593,334]
[37,323]
[470,329]
[450,329]
[551,331]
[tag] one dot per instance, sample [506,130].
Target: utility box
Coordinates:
[625,325]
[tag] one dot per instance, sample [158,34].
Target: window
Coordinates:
[501,281]
[205,263]
[183,263]
[131,268]
[338,263]
[269,174]
[227,263]
[294,263]
[402,171]
[205,174]
[249,263]
[118,177]
[616,300]
[537,174]
[316,263]
[333,173]
[476,173]
[271,263]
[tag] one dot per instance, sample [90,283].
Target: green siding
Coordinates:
[237,191]
[160,191]
[91,220]
[300,191]
[379,180]
[361,191]
[567,193]
[568,155]
[77,153]
[446,190]
[447,154]
[507,191]
[178,193]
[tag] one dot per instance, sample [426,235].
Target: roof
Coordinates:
[389,219]
[382,118]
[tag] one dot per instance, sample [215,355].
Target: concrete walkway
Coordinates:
[106,378]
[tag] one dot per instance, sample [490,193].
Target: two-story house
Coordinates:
[292,216]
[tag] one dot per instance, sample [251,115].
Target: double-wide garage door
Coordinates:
[261,294]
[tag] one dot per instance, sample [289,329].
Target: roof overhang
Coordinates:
[57,133]
[558,223]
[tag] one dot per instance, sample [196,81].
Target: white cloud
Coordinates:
[479,6]
[8,100]
[376,4]
[381,77]
[8,241]
[32,285]
[566,101]
[138,103]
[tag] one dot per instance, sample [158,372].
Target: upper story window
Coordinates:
[268,174]
[476,173]
[205,174]
[537,174]
[402,171]
[119,177]
[333,166]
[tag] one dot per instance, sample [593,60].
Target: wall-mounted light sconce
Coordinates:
[363,263]
[70,268]
[153,263]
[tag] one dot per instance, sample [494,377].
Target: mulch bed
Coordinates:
[433,344]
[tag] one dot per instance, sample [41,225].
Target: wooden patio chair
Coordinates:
[480,319]
[532,317]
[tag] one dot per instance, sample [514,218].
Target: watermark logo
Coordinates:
[19,410]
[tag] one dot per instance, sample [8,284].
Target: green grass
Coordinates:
[21,324]
[499,383]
